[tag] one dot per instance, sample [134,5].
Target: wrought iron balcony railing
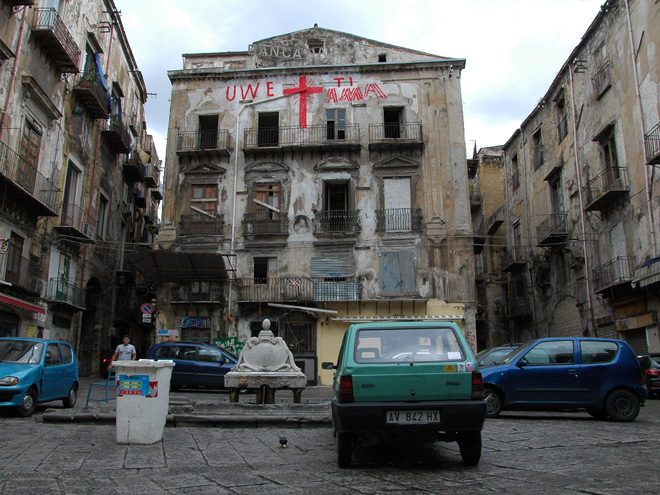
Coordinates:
[516,256]
[618,271]
[652,144]
[297,289]
[310,136]
[90,92]
[203,143]
[25,274]
[396,134]
[151,175]
[133,168]
[553,230]
[116,134]
[339,221]
[76,223]
[201,224]
[399,219]
[264,223]
[607,187]
[26,185]
[51,32]
[60,290]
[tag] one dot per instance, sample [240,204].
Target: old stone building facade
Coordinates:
[581,213]
[316,179]
[79,176]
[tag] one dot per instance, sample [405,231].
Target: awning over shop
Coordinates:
[21,303]
[648,274]
[164,265]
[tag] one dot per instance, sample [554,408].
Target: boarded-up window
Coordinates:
[397,274]
[334,279]
[205,198]
[267,200]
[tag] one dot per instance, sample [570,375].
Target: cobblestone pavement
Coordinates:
[523,453]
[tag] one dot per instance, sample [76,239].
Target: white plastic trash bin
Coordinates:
[143,397]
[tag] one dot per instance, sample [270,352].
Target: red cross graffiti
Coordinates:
[303,91]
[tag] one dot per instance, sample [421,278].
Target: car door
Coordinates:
[185,365]
[54,377]
[212,366]
[546,374]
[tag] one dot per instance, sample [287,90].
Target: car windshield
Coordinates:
[494,357]
[20,351]
[388,345]
[510,357]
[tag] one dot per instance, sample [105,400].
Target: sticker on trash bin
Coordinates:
[137,385]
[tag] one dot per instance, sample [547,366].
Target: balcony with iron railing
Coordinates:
[617,271]
[24,274]
[602,80]
[606,188]
[518,306]
[25,186]
[201,224]
[139,196]
[151,175]
[652,145]
[133,168]
[70,294]
[337,221]
[297,289]
[116,135]
[496,219]
[515,258]
[399,220]
[265,223]
[76,225]
[203,144]
[92,95]
[396,135]
[52,35]
[157,192]
[313,137]
[553,230]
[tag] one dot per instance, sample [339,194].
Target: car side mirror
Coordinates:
[328,366]
[522,363]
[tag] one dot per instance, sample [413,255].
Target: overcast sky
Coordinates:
[513,48]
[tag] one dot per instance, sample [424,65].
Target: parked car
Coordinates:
[36,370]
[195,364]
[599,375]
[406,381]
[650,364]
[490,356]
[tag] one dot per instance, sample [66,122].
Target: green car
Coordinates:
[407,381]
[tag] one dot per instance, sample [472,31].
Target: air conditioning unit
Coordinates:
[88,230]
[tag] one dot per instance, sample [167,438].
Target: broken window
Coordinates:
[515,172]
[30,144]
[336,123]
[266,200]
[208,131]
[562,118]
[537,149]
[382,57]
[556,195]
[204,199]
[392,118]
[335,206]
[601,79]
[316,45]
[268,132]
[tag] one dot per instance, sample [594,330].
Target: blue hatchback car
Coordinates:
[36,370]
[195,364]
[599,375]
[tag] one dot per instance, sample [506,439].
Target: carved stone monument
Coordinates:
[264,366]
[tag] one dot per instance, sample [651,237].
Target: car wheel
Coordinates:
[494,402]
[344,449]
[29,404]
[622,405]
[70,400]
[597,412]
[469,443]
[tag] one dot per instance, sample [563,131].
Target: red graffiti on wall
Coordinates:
[304,91]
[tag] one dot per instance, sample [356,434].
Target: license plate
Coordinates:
[412,417]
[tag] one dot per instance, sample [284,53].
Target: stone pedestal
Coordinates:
[265,365]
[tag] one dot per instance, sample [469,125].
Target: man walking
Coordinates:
[124,352]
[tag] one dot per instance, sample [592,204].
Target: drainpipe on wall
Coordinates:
[649,184]
[587,268]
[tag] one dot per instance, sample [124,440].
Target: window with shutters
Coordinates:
[204,198]
[30,145]
[397,273]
